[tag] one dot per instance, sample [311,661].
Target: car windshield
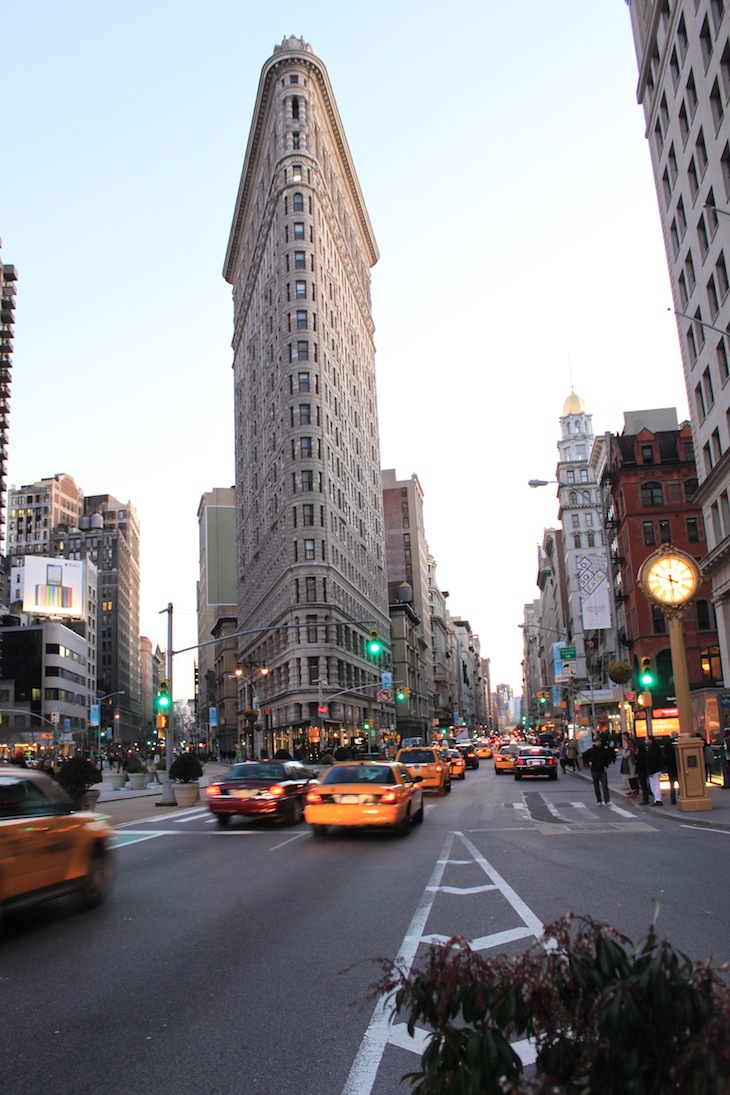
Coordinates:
[251,770]
[416,756]
[360,773]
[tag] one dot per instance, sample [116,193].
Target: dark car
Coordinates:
[261,789]
[536,760]
[469,754]
[48,848]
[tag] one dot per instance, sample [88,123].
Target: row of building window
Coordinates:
[661,532]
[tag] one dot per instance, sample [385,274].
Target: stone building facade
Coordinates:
[310,541]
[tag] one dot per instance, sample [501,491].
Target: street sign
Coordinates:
[322,709]
[630,697]
[385,695]
[567,653]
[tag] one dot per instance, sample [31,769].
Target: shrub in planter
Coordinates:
[186,768]
[133,765]
[608,1017]
[76,775]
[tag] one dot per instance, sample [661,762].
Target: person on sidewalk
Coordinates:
[670,765]
[654,764]
[641,775]
[628,767]
[597,762]
[571,754]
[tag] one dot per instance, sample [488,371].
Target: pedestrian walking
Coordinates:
[670,764]
[571,753]
[628,767]
[597,762]
[654,764]
[641,771]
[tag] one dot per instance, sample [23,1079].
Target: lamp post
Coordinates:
[95,715]
[239,675]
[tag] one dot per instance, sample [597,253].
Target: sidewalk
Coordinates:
[716,818]
[125,805]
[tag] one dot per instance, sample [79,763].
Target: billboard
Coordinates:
[54,587]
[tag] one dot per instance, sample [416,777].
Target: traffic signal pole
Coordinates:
[168,795]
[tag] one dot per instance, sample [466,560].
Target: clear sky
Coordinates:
[502,158]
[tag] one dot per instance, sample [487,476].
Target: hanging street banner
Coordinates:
[593,582]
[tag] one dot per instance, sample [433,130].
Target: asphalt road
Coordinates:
[243,960]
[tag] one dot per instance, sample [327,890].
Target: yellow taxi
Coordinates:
[47,849]
[427,762]
[456,763]
[365,794]
[504,757]
[484,749]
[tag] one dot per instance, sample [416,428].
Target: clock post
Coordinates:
[670,578]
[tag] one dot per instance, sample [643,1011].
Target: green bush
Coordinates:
[608,1017]
[76,775]
[186,768]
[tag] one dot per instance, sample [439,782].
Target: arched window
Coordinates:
[298,202]
[652,494]
[711,665]
[576,540]
[572,498]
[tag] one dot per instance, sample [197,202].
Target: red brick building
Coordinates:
[653,480]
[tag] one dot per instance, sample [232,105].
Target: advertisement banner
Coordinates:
[54,587]
[593,582]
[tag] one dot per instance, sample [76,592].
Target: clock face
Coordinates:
[672,580]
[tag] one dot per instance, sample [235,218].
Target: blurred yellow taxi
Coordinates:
[365,794]
[484,749]
[47,848]
[456,763]
[429,763]
[504,757]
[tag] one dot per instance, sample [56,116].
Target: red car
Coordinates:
[269,788]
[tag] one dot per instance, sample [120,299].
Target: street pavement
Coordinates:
[125,805]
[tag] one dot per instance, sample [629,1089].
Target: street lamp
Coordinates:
[541,482]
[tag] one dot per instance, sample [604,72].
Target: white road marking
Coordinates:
[380,1032]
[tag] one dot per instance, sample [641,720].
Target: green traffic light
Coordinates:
[374,644]
[400,694]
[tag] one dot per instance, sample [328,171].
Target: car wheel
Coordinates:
[296,814]
[463,775]
[97,881]
[222,820]
[418,816]
[319,830]
[517,775]
[403,827]
[553,775]
[447,789]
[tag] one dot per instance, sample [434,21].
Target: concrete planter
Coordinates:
[117,780]
[186,794]
[138,781]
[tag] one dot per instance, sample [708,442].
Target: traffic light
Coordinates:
[647,678]
[542,697]
[374,645]
[400,693]
[366,725]
[163,702]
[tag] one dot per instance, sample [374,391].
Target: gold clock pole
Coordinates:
[670,578]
